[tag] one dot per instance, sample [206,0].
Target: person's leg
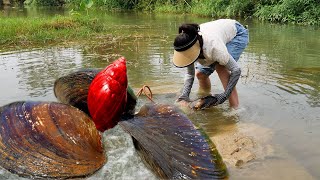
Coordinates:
[224,75]
[202,74]
[204,82]
[235,47]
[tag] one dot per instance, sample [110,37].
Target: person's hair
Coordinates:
[191,29]
[188,35]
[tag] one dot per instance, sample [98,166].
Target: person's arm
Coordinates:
[188,82]
[221,98]
[235,70]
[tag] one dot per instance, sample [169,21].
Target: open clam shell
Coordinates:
[172,146]
[73,88]
[48,140]
[107,96]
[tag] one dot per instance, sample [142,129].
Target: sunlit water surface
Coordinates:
[278,91]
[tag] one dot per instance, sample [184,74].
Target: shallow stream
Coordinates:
[279,91]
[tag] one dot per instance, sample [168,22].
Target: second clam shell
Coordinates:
[48,140]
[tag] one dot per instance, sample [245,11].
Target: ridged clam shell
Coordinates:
[48,140]
[107,96]
[172,146]
[73,88]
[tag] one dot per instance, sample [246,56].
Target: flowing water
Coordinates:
[279,91]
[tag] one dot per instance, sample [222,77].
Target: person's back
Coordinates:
[222,28]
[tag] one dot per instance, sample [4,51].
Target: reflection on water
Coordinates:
[279,88]
[20,11]
[292,58]
[31,73]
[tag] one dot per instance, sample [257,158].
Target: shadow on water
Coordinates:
[278,90]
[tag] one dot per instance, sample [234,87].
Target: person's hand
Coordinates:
[205,102]
[183,103]
[221,98]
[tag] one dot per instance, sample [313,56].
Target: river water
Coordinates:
[279,91]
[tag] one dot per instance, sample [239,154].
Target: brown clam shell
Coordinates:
[172,146]
[48,140]
[73,88]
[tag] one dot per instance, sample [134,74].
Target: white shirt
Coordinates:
[215,35]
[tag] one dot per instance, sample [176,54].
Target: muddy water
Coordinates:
[278,121]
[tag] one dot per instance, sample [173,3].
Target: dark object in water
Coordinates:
[130,108]
[73,88]
[173,147]
[48,140]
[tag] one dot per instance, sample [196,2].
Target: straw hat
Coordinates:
[186,50]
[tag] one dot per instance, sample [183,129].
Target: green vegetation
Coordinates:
[20,31]
[283,11]
[80,25]
[105,4]
[296,11]
[45,2]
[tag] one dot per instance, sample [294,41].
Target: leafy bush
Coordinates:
[46,2]
[297,11]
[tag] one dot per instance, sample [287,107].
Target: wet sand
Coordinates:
[248,152]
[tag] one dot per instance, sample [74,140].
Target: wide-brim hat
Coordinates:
[184,56]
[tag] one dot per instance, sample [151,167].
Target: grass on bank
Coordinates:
[20,31]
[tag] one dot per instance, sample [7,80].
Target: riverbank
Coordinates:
[284,11]
[74,26]
[24,31]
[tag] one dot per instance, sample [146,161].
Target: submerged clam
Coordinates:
[48,140]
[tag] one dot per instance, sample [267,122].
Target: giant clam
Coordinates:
[172,146]
[107,95]
[73,88]
[99,93]
[48,140]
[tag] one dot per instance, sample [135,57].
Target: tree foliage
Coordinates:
[284,11]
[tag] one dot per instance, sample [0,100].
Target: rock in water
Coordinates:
[172,146]
[48,140]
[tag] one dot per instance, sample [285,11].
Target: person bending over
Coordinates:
[215,45]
